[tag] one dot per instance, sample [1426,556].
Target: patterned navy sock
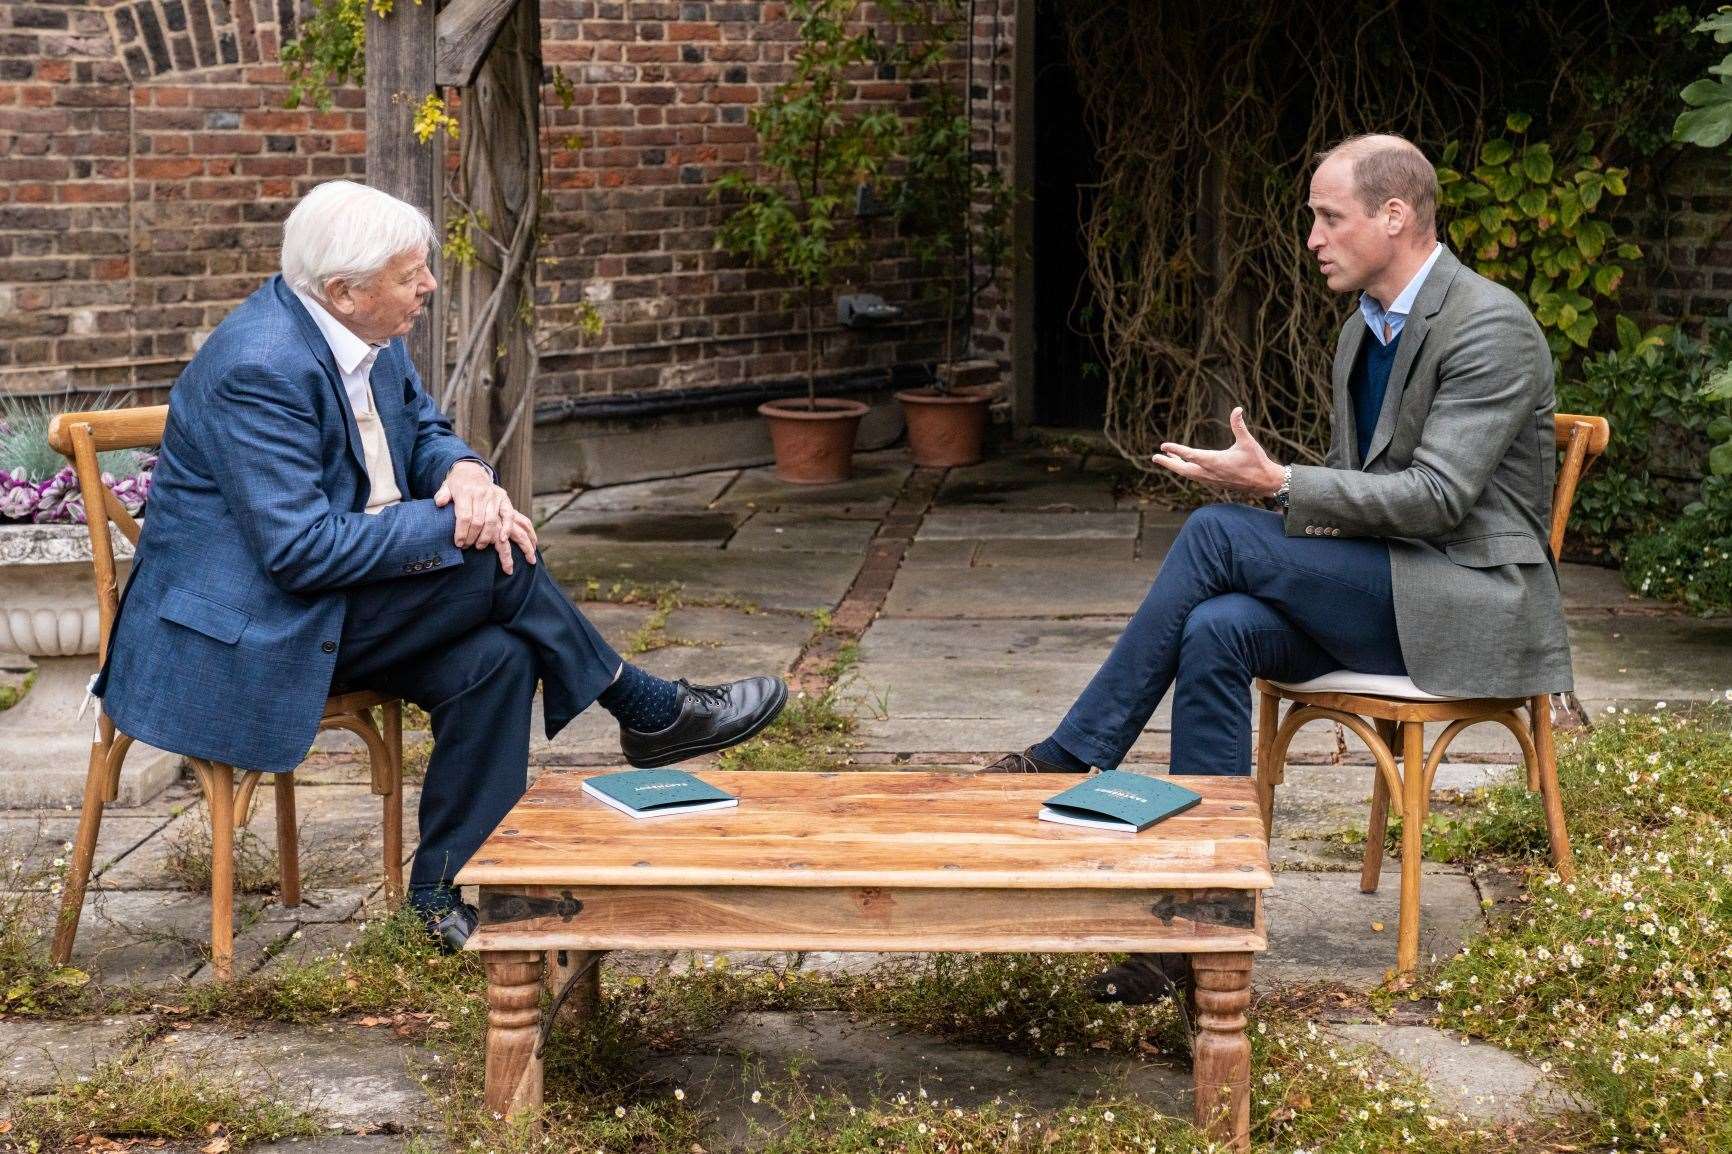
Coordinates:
[640,701]
[1051,752]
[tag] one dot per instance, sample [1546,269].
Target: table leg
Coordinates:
[513,1079]
[1221,1051]
[585,997]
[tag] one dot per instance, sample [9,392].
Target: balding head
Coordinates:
[1385,168]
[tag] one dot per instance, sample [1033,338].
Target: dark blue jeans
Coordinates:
[1236,598]
[468,645]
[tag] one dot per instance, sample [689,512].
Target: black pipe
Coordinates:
[701,398]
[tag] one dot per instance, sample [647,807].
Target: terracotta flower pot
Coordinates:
[945,429]
[813,446]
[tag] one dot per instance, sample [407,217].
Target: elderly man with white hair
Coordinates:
[315,525]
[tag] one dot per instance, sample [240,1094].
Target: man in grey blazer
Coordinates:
[1416,551]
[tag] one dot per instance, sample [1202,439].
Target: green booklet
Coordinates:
[1128,802]
[646,793]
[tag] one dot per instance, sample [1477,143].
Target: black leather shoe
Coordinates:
[711,717]
[452,927]
[1144,979]
[1026,762]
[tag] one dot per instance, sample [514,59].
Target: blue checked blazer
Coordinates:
[228,631]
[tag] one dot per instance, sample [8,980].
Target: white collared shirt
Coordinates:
[355,358]
[1395,316]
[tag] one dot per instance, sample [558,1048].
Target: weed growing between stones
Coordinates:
[813,733]
[30,984]
[324,860]
[118,1102]
[1621,980]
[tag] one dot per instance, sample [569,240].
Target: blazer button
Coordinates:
[328,646]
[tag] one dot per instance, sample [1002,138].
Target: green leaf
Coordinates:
[1447,176]
[1581,331]
[1591,238]
[1708,122]
[1461,230]
[1566,316]
[1537,163]
[1720,429]
[1629,252]
[1518,121]
[1496,152]
[1719,386]
[1532,202]
[1629,333]
[1607,278]
[1720,459]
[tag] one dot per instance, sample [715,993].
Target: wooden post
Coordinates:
[513,1072]
[401,72]
[288,843]
[1414,802]
[500,157]
[1221,1051]
[392,712]
[1378,826]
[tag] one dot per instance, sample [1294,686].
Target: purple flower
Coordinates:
[58,501]
[17,496]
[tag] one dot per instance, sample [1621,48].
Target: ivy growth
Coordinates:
[330,51]
[1541,226]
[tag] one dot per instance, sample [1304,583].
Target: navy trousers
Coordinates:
[468,645]
[1236,598]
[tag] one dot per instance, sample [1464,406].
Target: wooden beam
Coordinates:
[400,75]
[467,30]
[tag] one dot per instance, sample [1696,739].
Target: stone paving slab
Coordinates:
[804,532]
[1107,589]
[862,1059]
[967,524]
[341,836]
[582,529]
[349,1075]
[1650,658]
[1320,925]
[877,479]
[40,841]
[1590,587]
[150,937]
[1028,483]
[771,580]
[1466,1076]
[37,1054]
[696,491]
[1080,552]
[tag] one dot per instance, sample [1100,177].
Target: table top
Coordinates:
[905,829]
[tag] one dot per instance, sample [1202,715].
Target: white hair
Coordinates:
[349,231]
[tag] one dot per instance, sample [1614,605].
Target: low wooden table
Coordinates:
[869,861]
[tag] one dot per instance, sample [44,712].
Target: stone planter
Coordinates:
[48,612]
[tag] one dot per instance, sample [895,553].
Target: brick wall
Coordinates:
[147,161]
[1683,221]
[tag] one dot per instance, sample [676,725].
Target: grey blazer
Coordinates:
[1459,480]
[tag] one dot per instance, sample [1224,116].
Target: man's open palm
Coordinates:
[1243,466]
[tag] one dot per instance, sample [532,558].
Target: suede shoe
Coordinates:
[451,927]
[1144,979]
[1026,762]
[711,717]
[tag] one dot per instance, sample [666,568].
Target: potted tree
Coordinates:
[796,213]
[954,212]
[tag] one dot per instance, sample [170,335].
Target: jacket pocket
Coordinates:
[1495,549]
[211,618]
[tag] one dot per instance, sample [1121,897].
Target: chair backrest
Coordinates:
[79,437]
[1580,440]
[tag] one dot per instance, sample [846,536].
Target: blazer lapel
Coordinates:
[322,351]
[1413,334]
[387,385]
[1346,353]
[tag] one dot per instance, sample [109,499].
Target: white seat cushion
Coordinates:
[1379,684]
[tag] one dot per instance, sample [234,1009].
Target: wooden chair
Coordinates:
[1389,714]
[80,437]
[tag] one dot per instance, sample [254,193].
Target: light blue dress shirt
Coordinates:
[1395,316]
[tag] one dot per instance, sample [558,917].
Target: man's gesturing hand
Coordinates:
[485,516]
[1244,466]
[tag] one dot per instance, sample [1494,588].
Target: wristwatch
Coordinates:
[1280,495]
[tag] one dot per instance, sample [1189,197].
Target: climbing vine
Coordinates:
[1199,293]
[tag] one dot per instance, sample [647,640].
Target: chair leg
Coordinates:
[393,803]
[219,792]
[1268,718]
[1414,802]
[1377,828]
[288,841]
[1545,770]
[83,855]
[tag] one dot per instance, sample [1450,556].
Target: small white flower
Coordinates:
[757,1096]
